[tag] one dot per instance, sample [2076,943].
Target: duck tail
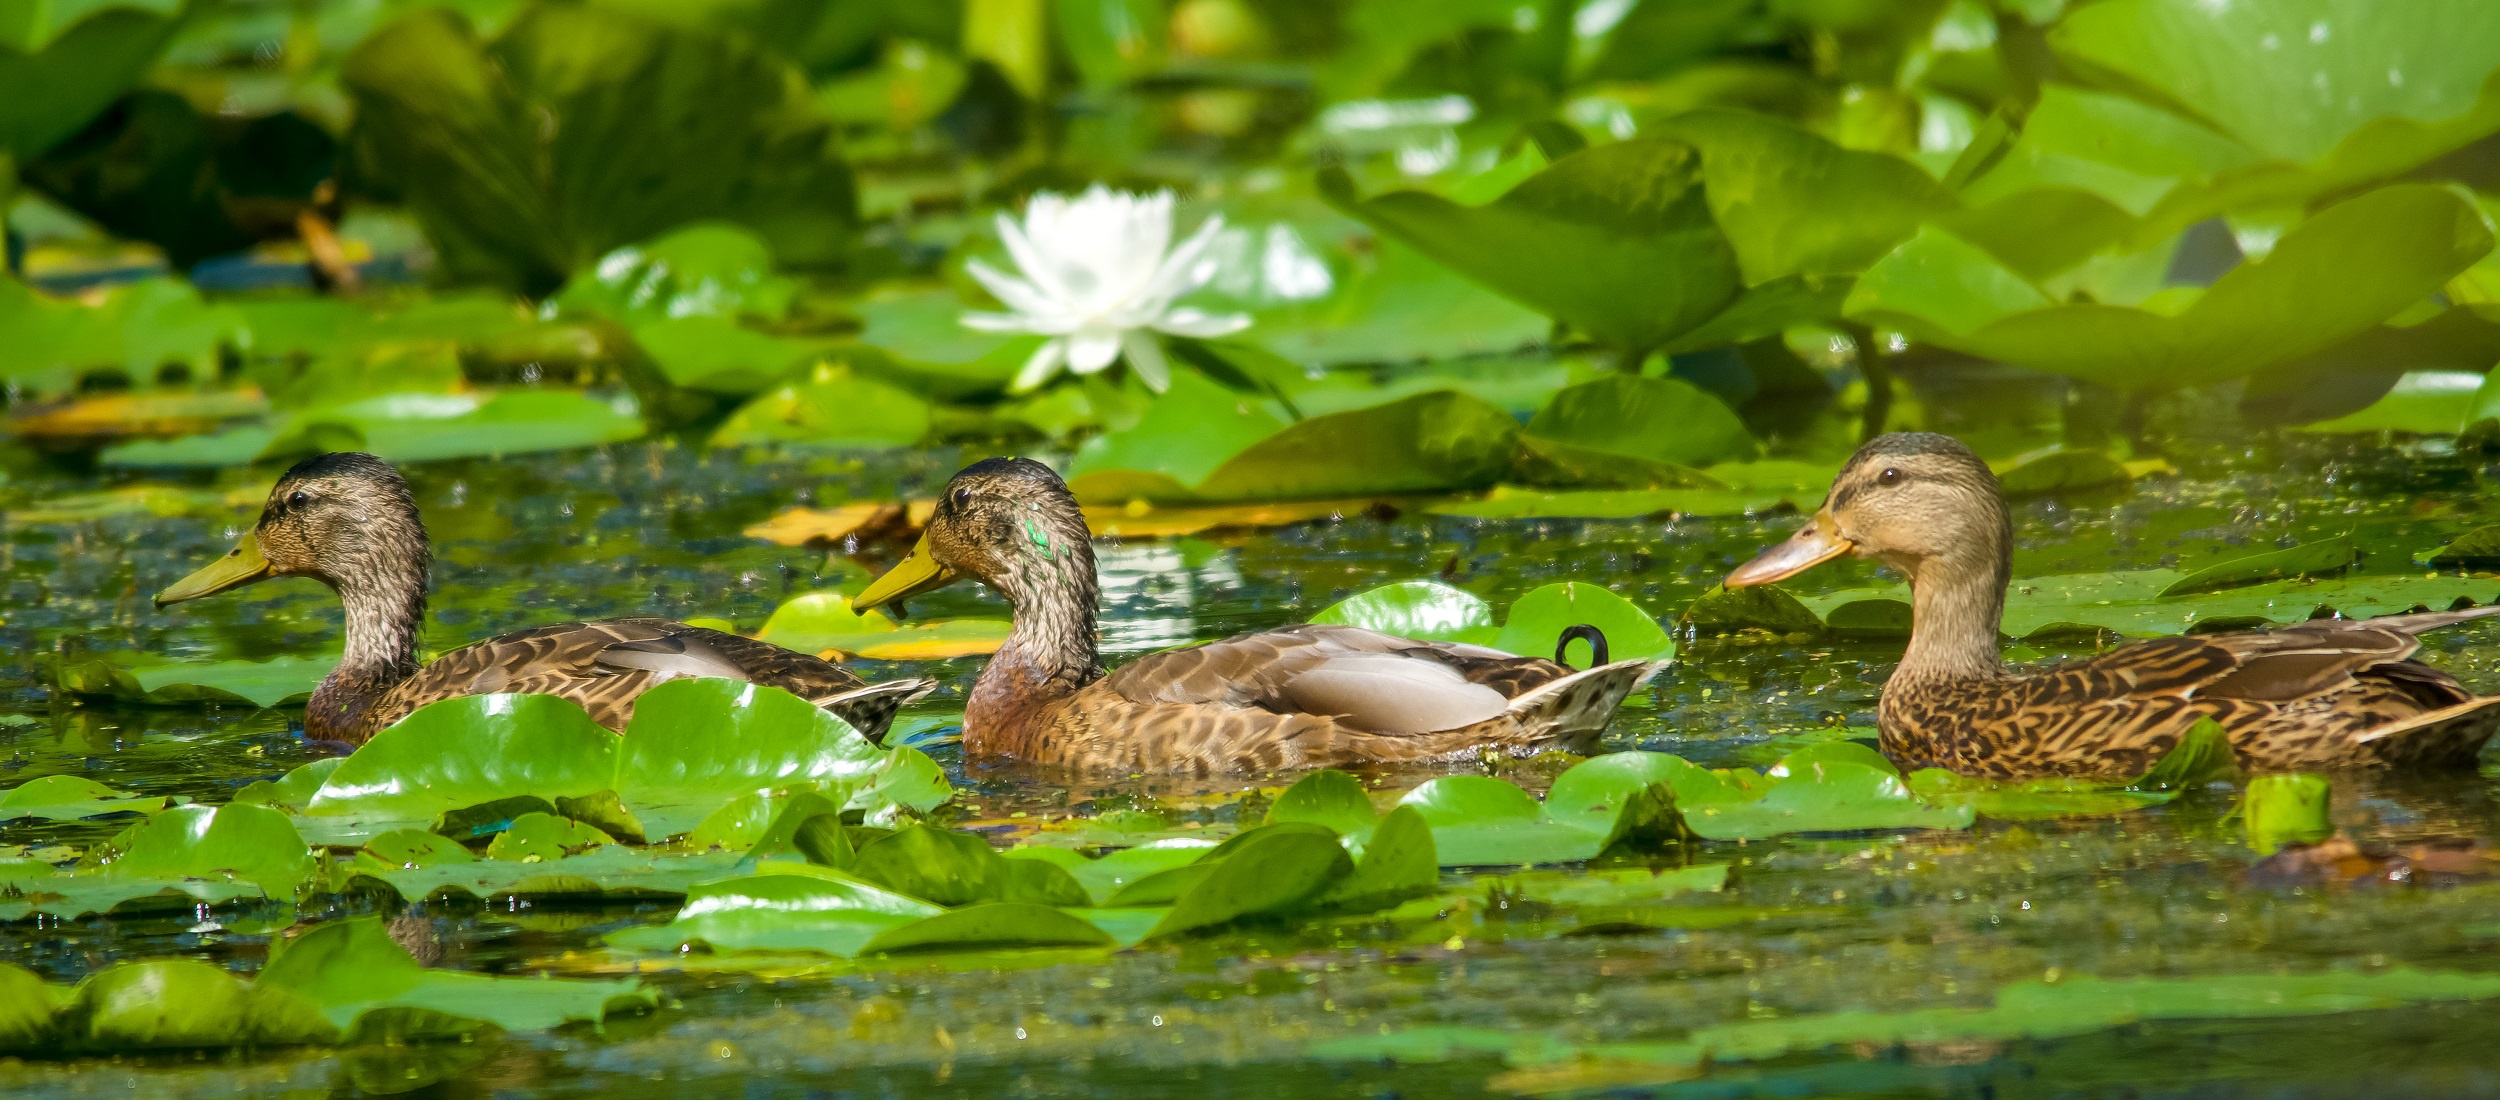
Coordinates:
[870,710]
[2421,621]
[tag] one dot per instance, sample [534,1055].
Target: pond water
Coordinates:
[1888,922]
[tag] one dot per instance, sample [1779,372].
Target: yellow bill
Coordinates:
[918,572]
[1817,543]
[240,566]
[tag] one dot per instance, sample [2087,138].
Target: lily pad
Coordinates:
[467,751]
[1633,420]
[1266,871]
[251,844]
[269,683]
[2278,810]
[2480,546]
[1430,442]
[695,743]
[70,797]
[351,968]
[2305,560]
[816,622]
[613,871]
[2329,279]
[1434,612]
[1104,877]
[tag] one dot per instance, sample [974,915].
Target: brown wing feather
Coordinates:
[605,666]
[2303,697]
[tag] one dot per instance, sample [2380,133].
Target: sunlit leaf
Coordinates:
[350,968]
[470,750]
[2308,559]
[251,844]
[2286,809]
[70,797]
[1428,610]
[1268,870]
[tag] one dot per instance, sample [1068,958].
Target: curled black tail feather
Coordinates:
[1578,631]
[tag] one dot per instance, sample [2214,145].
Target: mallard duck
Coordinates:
[1300,697]
[348,521]
[2329,693]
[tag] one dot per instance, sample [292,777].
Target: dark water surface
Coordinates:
[1880,922]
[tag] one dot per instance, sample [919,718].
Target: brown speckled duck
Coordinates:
[1300,697]
[2331,693]
[348,521]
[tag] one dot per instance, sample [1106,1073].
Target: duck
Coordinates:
[348,520]
[1307,696]
[2327,694]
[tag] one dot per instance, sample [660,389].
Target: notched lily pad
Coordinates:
[70,797]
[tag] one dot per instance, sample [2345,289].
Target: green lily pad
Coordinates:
[2480,546]
[543,837]
[1103,878]
[2285,809]
[993,924]
[1414,609]
[269,683]
[1654,421]
[695,743]
[411,849]
[2329,279]
[352,968]
[1616,240]
[422,427]
[2305,560]
[70,797]
[1435,612]
[2061,471]
[1723,610]
[251,844]
[1793,203]
[953,868]
[467,751]
[1331,799]
[1266,871]
[131,330]
[613,871]
[812,622]
[1479,821]
[833,408]
[1430,442]
[795,908]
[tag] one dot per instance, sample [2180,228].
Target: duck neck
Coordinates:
[1050,651]
[1957,610]
[383,591]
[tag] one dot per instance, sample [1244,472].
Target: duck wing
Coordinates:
[605,666]
[1363,678]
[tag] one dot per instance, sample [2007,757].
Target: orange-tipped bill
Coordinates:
[1811,546]
[240,566]
[916,573]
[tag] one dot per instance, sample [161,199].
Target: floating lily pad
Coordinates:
[1427,443]
[251,844]
[1104,877]
[1266,871]
[467,751]
[351,968]
[814,622]
[2305,560]
[1628,420]
[2278,810]
[269,683]
[70,797]
[1435,612]
[2063,471]
[2480,546]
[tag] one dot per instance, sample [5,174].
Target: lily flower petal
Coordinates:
[1092,349]
[1145,356]
[1188,321]
[1038,369]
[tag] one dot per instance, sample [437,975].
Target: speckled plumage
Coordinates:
[1300,697]
[2320,695]
[349,521]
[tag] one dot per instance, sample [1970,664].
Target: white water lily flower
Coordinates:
[1097,275]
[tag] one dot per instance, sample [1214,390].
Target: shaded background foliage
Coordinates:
[1826,217]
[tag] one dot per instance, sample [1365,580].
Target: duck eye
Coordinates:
[961,497]
[298,498]
[1889,476]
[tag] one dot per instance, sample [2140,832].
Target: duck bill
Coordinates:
[916,573]
[1817,543]
[240,566]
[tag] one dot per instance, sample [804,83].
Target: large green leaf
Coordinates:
[61,64]
[69,797]
[695,743]
[2296,78]
[212,683]
[133,330]
[471,750]
[1436,612]
[1616,240]
[2331,278]
[614,871]
[1429,610]
[1266,871]
[251,844]
[1629,421]
[1426,443]
[582,128]
[1794,203]
[1108,875]
[794,908]
[350,968]
[424,427]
